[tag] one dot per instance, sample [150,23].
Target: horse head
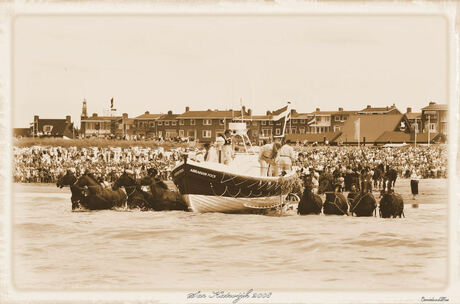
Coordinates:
[66,180]
[125,180]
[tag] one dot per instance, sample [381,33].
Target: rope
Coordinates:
[359,201]
[335,203]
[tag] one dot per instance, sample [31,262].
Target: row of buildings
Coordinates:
[371,125]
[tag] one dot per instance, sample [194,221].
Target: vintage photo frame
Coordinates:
[11,10]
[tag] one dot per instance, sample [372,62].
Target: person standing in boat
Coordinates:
[268,159]
[227,148]
[286,158]
[210,154]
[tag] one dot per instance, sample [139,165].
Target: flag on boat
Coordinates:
[111,103]
[357,124]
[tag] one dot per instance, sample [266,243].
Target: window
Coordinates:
[152,124]
[181,133]
[181,122]
[302,121]
[254,123]
[432,127]
[337,118]
[166,122]
[173,123]
[47,128]
[277,131]
[318,118]
[160,123]
[270,122]
[336,128]
[294,121]
[221,122]
[206,122]
[302,130]
[266,132]
[264,123]
[327,118]
[192,122]
[206,134]
[254,133]
[278,123]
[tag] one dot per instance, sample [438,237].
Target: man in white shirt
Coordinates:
[286,158]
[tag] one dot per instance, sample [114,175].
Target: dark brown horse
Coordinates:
[335,202]
[391,204]
[137,198]
[78,194]
[99,198]
[364,204]
[310,203]
[163,197]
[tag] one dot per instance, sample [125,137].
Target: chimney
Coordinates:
[67,119]
[409,110]
[368,106]
[340,109]
[244,109]
[35,118]
[94,114]
[432,103]
[147,112]
[250,112]
[125,115]
[169,112]
[187,109]
[388,108]
[318,109]
[269,113]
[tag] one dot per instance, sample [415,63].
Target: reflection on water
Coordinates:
[55,248]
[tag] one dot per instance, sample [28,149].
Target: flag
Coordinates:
[284,112]
[357,124]
[312,121]
[111,103]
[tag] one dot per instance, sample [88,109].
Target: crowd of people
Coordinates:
[40,164]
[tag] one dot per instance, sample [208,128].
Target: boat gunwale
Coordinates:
[263,178]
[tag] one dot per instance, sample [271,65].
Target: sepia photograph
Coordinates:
[229,152]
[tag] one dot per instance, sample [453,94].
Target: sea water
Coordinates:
[54,248]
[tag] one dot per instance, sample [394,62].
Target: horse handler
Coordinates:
[267,158]
[414,179]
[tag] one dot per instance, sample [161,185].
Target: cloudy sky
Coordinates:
[161,63]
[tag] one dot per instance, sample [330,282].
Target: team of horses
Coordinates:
[359,203]
[127,192]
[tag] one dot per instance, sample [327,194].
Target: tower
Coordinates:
[83,110]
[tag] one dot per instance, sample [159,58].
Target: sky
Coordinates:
[161,63]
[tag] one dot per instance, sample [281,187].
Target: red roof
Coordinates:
[413,115]
[209,114]
[372,126]
[435,106]
[102,118]
[382,110]
[149,116]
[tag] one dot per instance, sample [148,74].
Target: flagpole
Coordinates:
[429,129]
[359,130]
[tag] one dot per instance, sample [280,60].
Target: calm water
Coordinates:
[55,248]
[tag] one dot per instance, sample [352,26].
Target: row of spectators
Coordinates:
[39,164]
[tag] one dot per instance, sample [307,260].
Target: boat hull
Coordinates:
[215,188]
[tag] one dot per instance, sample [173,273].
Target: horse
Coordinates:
[335,202]
[391,204]
[163,197]
[69,179]
[378,178]
[364,203]
[137,198]
[310,203]
[391,175]
[99,198]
